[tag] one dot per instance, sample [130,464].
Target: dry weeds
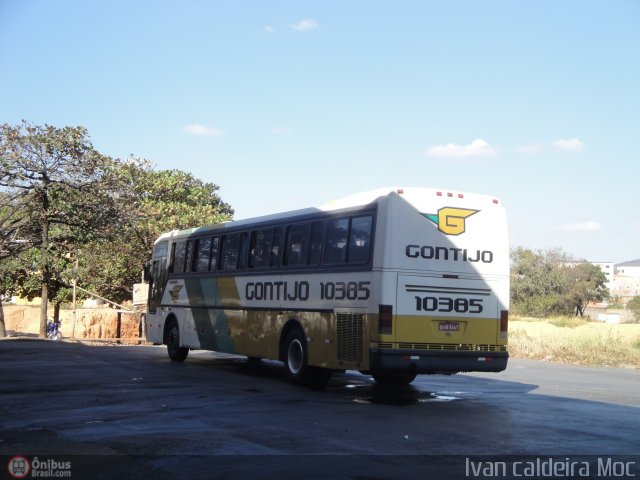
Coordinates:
[575,341]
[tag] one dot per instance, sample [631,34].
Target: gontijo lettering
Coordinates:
[291,291]
[430,252]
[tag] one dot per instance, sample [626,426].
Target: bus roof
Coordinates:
[411,194]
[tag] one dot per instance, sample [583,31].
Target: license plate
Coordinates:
[449,326]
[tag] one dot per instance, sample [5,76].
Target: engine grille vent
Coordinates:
[350,337]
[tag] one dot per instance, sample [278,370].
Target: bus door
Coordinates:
[156,274]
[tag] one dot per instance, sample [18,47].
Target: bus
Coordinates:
[393,282]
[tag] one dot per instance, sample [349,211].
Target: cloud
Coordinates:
[569,145]
[477,148]
[269,29]
[281,130]
[306,24]
[532,149]
[202,131]
[582,227]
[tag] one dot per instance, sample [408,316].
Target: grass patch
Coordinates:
[569,322]
[577,342]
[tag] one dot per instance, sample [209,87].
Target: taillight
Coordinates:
[385,320]
[504,323]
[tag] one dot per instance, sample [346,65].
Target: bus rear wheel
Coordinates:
[394,378]
[175,351]
[296,362]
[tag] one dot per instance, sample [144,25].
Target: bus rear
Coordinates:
[442,264]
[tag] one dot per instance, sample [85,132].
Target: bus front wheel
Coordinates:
[175,351]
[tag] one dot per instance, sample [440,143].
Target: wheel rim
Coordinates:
[295,356]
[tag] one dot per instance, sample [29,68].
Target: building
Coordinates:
[626,280]
[609,270]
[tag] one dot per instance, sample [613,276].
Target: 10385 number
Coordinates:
[447,304]
[344,290]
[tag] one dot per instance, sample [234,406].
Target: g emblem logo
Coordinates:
[451,220]
[175,293]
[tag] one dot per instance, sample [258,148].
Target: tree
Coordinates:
[551,282]
[583,283]
[536,282]
[634,306]
[151,202]
[66,186]
[15,229]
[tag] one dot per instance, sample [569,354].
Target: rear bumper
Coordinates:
[436,361]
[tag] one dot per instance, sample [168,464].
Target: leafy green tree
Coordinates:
[583,283]
[551,282]
[536,282]
[16,228]
[151,202]
[66,186]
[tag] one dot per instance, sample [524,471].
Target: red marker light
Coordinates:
[385,320]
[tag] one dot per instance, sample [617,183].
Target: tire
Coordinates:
[295,356]
[296,362]
[394,378]
[175,351]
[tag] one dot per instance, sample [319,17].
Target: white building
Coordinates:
[609,270]
[626,280]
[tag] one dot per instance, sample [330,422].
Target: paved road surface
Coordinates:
[129,412]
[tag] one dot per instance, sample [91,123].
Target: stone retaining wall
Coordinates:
[91,323]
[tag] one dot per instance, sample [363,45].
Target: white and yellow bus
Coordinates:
[394,282]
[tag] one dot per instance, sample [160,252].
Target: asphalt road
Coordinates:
[128,412]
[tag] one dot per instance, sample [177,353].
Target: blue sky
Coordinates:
[289,104]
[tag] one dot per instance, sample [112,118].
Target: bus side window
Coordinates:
[360,239]
[179,254]
[230,250]
[259,248]
[315,246]
[202,258]
[213,262]
[297,246]
[275,247]
[335,244]
[188,257]
[243,250]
